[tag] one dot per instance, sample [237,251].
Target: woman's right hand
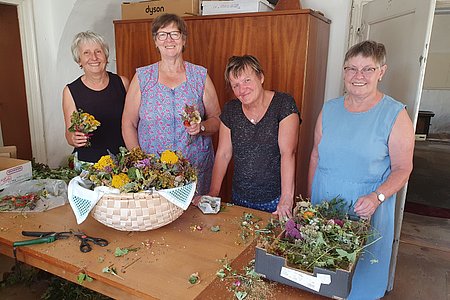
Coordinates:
[196,200]
[78,139]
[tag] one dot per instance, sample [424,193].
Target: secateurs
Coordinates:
[50,237]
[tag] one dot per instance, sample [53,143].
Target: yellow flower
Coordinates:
[118,181]
[169,157]
[103,162]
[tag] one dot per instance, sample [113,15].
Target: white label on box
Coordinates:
[304,279]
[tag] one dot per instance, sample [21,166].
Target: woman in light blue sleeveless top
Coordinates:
[152,117]
[363,153]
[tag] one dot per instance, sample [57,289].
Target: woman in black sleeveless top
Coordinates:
[97,92]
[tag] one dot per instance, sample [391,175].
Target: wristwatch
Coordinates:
[380,196]
[202,128]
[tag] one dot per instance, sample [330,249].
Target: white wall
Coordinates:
[339,12]
[56,22]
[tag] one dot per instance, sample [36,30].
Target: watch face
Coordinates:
[202,128]
[381,197]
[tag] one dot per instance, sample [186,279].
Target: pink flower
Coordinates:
[292,230]
[339,222]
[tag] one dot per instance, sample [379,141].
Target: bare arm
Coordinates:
[287,141]
[314,160]
[223,157]
[130,116]
[126,82]
[75,139]
[212,111]
[401,150]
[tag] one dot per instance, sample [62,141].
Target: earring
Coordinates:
[379,79]
[81,67]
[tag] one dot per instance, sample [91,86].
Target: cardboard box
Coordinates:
[154,8]
[14,170]
[8,151]
[235,7]
[334,284]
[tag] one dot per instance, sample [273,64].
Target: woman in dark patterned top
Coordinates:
[259,130]
[97,92]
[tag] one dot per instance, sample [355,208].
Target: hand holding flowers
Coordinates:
[83,122]
[190,116]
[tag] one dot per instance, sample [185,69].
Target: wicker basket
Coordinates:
[135,211]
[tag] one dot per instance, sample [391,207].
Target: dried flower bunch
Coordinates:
[135,171]
[83,122]
[190,115]
[321,236]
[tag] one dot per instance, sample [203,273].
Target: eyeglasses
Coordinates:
[366,71]
[162,35]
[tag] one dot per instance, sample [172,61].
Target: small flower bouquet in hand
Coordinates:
[189,116]
[83,122]
[318,239]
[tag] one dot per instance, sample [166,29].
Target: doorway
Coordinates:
[15,128]
[428,191]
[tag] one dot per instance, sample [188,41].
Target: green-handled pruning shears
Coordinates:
[42,237]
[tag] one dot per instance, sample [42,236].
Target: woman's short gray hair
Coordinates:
[368,48]
[237,64]
[84,37]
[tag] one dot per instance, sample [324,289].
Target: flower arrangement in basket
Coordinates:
[135,171]
[138,191]
[318,239]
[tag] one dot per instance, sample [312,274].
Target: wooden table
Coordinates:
[164,261]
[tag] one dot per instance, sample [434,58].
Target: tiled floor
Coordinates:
[423,265]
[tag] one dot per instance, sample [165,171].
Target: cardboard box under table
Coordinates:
[154,8]
[14,170]
[331,283]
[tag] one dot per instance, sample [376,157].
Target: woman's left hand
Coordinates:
[284,209]
[366,205]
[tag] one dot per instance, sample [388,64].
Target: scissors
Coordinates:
[85,246]
[42,237]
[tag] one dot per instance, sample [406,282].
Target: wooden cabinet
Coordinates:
[292,47]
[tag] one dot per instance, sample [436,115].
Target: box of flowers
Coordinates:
[317,251]
[134,191]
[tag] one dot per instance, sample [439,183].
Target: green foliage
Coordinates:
[60,289]
[21,274]
[245,283]
[123,251]
[321,236]
[84,277]
[43,171]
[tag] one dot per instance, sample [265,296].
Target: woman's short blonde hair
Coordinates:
[237,64]
[368,48]
[84,37]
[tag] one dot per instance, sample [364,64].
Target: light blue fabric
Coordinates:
[354,161]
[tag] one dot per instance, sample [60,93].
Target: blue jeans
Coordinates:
[270,206]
